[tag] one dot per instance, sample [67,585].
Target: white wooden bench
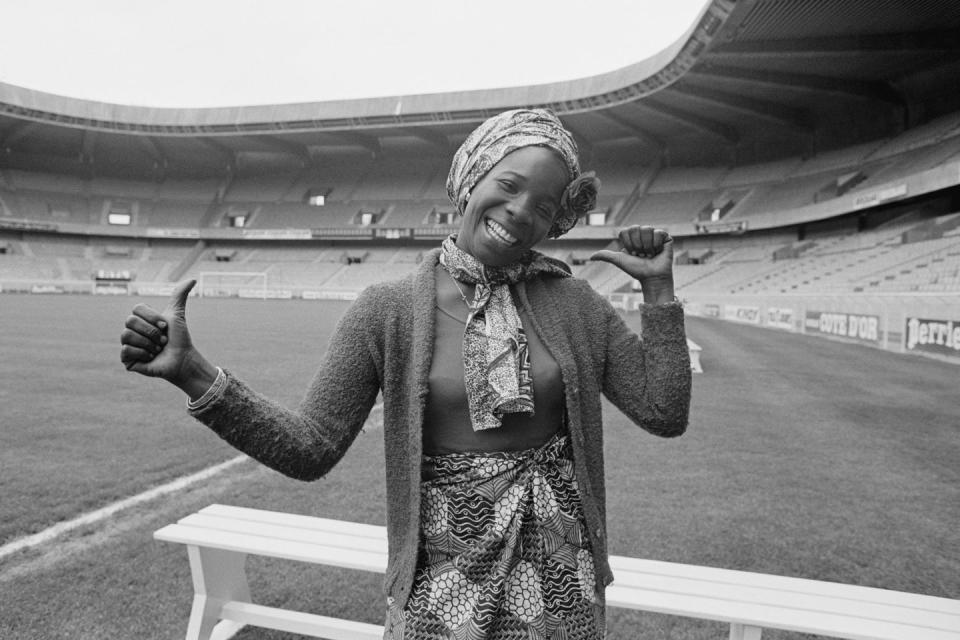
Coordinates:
[220,537]
[694,349]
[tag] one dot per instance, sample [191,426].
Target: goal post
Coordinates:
[232,284]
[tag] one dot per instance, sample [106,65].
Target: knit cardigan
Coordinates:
[384,342]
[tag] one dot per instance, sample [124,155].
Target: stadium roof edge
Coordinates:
[751,81]
[629,83]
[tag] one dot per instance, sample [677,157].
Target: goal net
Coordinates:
[232,284]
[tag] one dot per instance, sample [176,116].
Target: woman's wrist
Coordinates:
[196,404]
[658,290]
[197,376]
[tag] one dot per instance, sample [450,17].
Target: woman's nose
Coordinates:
[519,207]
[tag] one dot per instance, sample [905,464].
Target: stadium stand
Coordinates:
[925,135]
[687,179]
[792,193]
[337,174]
[436,188]
[407,214]
[673,197]
[670,208]
[836,161]
[841,263]
[259,188]
[355,277]
[291,254]
[46,182]
[401,177]
[621,173]
[764,173]
[53,207]
[56,247]
[910,162]
[114,187]
[197,191]
[289,215]
[174,214]
[667,196]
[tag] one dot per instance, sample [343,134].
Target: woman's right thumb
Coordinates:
[178,299]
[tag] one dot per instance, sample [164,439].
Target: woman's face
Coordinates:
[513,206]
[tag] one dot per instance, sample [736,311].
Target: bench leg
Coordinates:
[218,577]
[744,632]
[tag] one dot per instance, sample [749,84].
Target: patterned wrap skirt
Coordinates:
[504,551]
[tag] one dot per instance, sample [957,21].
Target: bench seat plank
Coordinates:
[300,622]
[296,520]
[621,564]
[771,616]
[802,601]
[282,534]
[259,545]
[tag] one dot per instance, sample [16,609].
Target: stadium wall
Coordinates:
[910,323]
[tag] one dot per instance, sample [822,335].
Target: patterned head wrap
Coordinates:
[511,130]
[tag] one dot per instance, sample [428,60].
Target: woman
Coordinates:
[491,360]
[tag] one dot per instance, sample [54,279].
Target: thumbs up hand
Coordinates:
[158,344]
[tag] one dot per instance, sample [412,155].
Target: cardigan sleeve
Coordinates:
[307,442]
[648,377]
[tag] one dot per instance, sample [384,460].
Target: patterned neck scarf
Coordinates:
[496,360]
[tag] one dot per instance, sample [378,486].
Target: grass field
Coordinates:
[804,457]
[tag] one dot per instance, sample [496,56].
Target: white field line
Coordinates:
[375,419]
[94,516]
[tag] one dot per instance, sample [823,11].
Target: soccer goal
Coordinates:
[232,284]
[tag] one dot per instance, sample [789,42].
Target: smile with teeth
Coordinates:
[498,231]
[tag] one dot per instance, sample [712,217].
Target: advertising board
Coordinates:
[265,294]
[779,317]
[742,313]
[163,232]
[855,326]
[164,290]
[110,289]
[933,336]
[277,234]
[329,295]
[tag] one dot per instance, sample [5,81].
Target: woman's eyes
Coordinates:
[511,187]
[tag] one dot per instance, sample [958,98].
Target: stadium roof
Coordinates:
[751,80]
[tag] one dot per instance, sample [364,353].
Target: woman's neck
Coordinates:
[451,294]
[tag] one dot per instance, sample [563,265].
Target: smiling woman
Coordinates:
[513,208]
[491,360]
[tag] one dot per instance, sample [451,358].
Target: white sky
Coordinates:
[202,53]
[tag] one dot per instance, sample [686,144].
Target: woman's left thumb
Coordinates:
[605,255]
